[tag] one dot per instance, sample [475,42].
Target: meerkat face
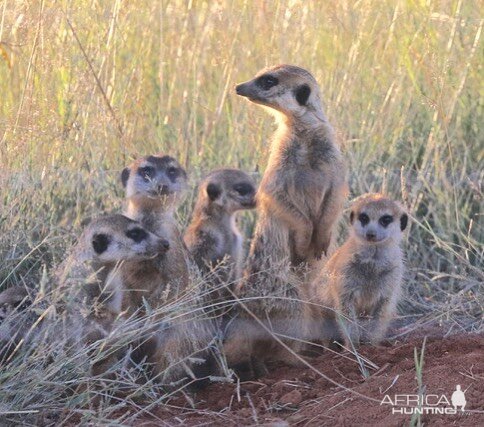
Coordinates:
[287,89]
[115,238]
[231,189]
[377,219]
[155,177]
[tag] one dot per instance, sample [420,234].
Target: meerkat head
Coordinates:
[285,89]
[159,178]
[114,238]
[377,219]
[229,189]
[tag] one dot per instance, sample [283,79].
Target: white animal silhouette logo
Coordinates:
[458,398]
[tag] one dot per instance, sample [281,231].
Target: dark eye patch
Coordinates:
[173,172]
[146,172]
[267,81]
[100,242]
[125,176]
[363,218]
[137,234]
[302,94]
[244,188]
[213,191]
[385,220]
[403,221]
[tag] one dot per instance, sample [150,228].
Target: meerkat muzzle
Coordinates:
[242,89]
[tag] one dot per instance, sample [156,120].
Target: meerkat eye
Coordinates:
[267,81]
[243,188]
[363,218]
[173,171]
[385,220]
[147,172]
[137,234]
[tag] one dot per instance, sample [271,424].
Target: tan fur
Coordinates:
[213,237]
[299,201]
[361,283]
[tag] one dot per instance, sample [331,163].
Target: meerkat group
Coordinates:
[292,288]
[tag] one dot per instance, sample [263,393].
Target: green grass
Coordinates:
[416,420]
[87,86]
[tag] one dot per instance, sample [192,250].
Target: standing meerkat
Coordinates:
[155,186]
[213,237]
[362,280]
[87,274]
[299,201]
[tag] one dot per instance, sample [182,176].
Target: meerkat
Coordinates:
[213,237]
[299,202]
[155,186]
[87,273]
[360,285]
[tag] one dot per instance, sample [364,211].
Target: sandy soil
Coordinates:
[301,397]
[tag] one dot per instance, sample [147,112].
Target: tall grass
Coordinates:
[86,86]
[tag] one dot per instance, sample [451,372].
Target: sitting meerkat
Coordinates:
[212,237]
[104,243]
[362,280]
[87,274]
[299,201]
[155,186]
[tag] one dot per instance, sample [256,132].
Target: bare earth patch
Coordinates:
[300,396]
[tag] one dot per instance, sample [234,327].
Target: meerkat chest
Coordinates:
[227,243]
[368,281]
[142,275]
[236,237]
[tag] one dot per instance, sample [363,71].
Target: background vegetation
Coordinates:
[85,86]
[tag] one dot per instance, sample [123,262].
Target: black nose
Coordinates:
[163,189]
[239,89]
[371,235]
[165,244]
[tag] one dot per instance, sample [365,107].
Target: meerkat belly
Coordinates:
[306,186]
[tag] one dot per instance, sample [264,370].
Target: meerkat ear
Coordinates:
[403,221]
[100,243]
[125,176]
[213,191]
[302,94]
[352,217]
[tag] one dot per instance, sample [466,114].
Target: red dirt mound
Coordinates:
[302,397]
